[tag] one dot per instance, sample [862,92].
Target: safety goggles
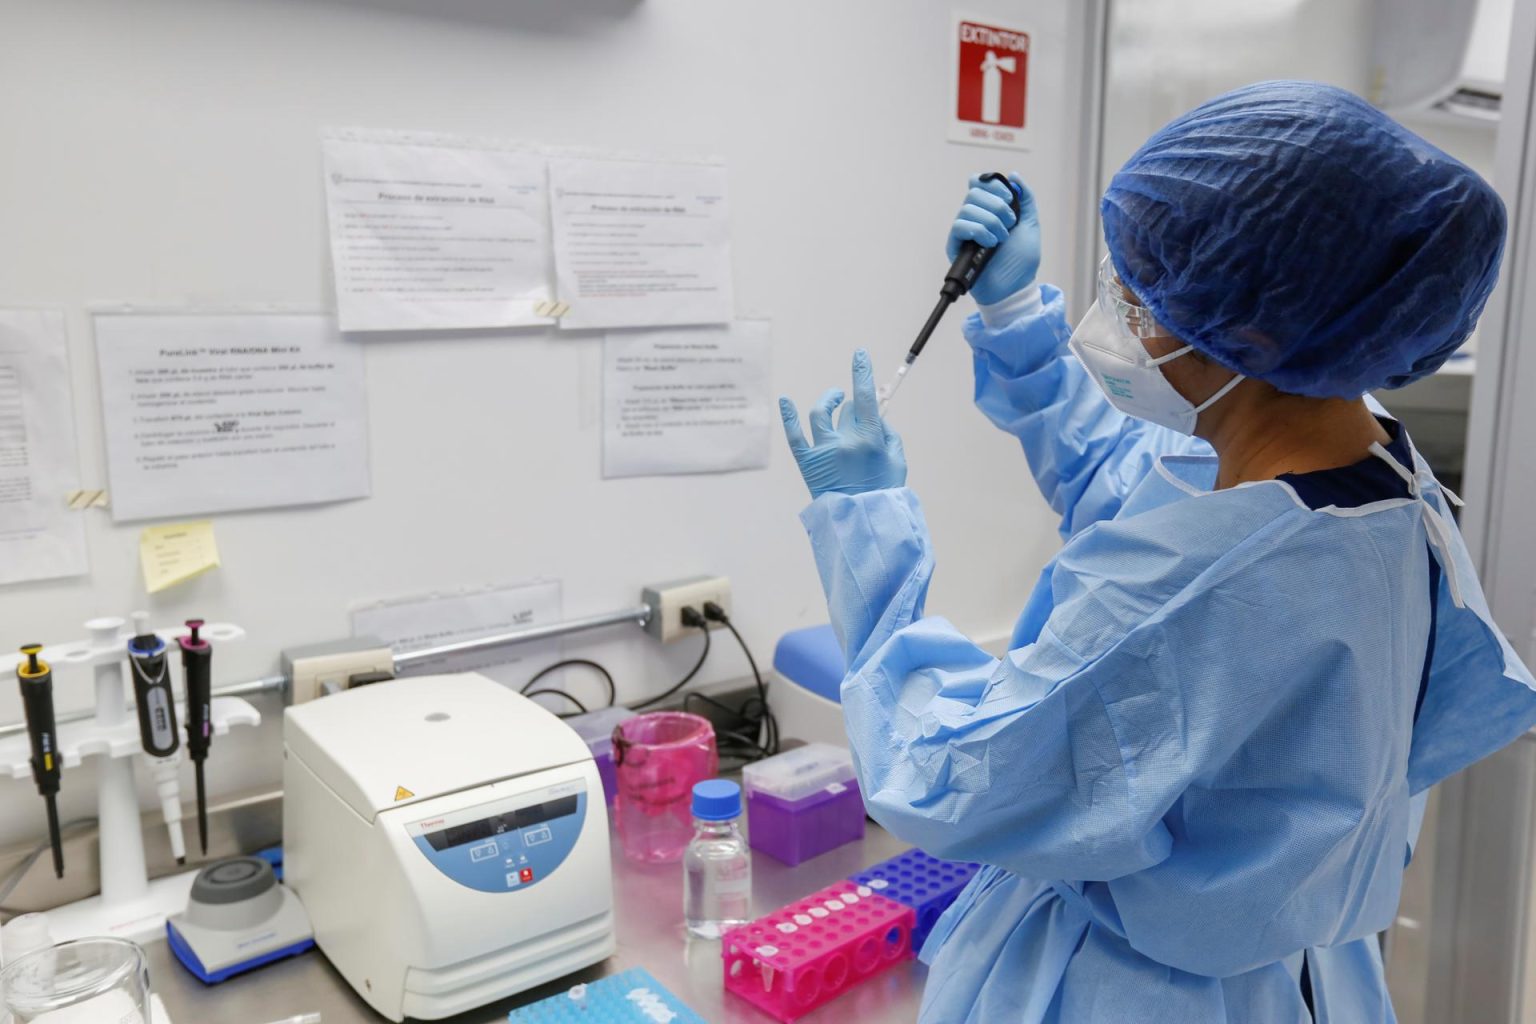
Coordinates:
[1117,300]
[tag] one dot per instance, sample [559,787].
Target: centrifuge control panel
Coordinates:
[507,844]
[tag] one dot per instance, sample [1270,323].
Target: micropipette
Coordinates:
[963,272]
[196,654]
[157,728]
[152,693]
[36,681]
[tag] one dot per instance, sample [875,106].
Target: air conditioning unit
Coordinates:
[1440,55]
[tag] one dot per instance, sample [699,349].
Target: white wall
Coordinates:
[1167,56]
[164,152]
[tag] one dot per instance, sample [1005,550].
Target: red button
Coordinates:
[526,875]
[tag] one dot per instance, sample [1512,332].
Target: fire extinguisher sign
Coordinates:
[989,76]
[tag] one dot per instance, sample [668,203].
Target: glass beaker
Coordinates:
[90,981]
[659,756]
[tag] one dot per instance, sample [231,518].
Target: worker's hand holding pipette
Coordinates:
[987,218]
[997,220]
[860,453]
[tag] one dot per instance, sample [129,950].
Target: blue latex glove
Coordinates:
[860,454]
[987,218]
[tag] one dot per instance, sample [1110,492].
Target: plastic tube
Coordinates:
[168,788]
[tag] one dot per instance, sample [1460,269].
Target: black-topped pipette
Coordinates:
[196,656]
[36,681]
[971,260]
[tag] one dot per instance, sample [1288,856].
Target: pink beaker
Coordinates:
[659,757]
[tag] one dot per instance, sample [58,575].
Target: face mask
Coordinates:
[1129,376]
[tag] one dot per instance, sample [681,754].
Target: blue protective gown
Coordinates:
[1199,760]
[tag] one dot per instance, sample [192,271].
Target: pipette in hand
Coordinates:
[968,264]
[36,681]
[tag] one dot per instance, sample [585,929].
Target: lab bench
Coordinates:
[648,910]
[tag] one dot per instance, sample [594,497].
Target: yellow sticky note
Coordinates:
[176,552]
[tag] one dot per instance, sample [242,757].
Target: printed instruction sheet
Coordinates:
[687,400]
[436,619]
[640,244]
[435,233]
[40,536]
[213,413]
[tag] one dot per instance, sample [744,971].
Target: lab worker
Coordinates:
[1197,776]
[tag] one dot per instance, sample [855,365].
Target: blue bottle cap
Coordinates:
[716,800]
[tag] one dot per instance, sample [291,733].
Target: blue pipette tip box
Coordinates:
[926,884]
[630,997]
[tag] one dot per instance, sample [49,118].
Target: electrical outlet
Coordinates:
[317,669]
[667,601]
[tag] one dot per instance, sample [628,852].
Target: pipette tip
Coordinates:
[890,389]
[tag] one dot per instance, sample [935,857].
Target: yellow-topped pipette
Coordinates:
[36,681]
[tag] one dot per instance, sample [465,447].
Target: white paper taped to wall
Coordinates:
[40,538]
[687,400]
[432,233]
[640,243]
[218,412]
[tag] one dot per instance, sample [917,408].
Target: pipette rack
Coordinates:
[131,905]
[810,952]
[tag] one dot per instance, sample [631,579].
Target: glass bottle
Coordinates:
[717,868]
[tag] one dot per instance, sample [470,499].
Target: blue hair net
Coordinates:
[1294,233]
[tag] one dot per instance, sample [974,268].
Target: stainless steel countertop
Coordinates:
[648,907]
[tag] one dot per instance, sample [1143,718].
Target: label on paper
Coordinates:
[433,620]
[640,244]
[213,413]
[175,553]
[40,536]
[989,83]
[694,400]
[435,233]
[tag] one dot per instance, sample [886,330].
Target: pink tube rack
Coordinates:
[812,951]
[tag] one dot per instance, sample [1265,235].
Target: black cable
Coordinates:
[741,746]
[768,725]
[567,663]
[739,738]
[557,693]
[757,720]
[697,621]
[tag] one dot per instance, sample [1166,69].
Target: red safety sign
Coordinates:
[991,83]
